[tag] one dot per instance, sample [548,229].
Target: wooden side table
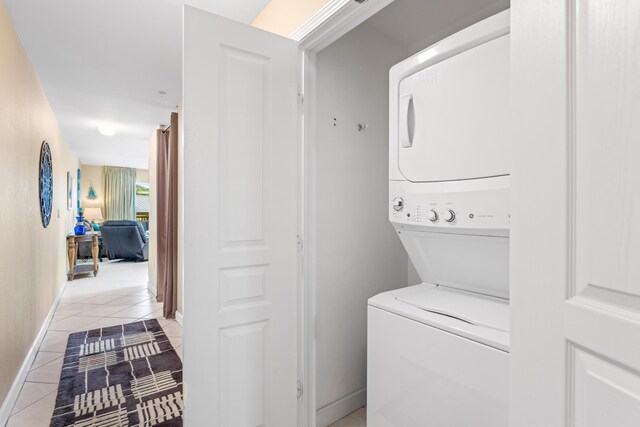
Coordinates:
[72,249]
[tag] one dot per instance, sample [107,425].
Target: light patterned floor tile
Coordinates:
[105,310]
[36,415]
[73,309]
[31,393]
[101,299]
[72,323]
[152,303]
[54,341]
[71,298]
[175,341]
[48,373]
[356,419]
[110,321]
[172,329]
[58,317]
[134,311]
[44,357]
[122,292]
[131,299]
[155,314]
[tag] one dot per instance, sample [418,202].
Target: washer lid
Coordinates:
[476,317]
[475,309]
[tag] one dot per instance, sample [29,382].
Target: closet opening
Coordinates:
[353,251]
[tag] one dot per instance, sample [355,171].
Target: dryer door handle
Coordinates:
[408,121]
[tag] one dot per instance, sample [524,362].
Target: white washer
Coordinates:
[438,352]
[429,369]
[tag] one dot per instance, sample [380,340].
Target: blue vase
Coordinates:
[80,229]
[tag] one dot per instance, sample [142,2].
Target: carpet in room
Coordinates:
[125,375]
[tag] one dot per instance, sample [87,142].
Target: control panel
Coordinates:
[447,207]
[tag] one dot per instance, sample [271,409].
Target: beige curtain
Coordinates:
[167,211]
[119,193]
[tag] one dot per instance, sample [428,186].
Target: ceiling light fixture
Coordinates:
[107,129]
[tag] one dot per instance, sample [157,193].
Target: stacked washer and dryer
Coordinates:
[438,352]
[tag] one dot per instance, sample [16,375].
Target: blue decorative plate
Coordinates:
[46,184]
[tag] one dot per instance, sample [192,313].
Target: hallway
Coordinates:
[116,296]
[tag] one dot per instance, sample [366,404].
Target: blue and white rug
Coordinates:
[125,375]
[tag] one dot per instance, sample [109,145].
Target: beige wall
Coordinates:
[33,263]
[93,176]
[286,16]
[142,175]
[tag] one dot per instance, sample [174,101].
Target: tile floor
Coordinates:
[117,295]
[356,419]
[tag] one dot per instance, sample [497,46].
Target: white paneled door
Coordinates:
[576,213]
[240,256]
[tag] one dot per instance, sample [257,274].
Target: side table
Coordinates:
[72,249]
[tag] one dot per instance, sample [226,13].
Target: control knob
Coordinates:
[432,215]
[449,216]
[398,203]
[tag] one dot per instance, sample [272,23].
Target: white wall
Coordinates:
[180,284]
[153,220]
[358,252]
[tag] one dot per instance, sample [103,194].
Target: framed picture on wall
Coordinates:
[78,193]
[69,191]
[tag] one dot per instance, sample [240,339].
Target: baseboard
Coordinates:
[339,409]
[14,391]
[153,289]
[179,318]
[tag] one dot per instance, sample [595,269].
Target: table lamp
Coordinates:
[93,214]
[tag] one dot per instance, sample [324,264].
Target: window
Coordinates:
[142,201]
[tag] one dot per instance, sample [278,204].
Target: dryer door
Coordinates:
[453,116]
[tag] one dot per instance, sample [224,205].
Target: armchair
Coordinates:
[125,240]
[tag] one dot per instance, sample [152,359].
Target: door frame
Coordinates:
[333,21]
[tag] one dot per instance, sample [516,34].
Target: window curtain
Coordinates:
[167,229]
[119,193]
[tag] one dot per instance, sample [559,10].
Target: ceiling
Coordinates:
[419,23]
[105,61]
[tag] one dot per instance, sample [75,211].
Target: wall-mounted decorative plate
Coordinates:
[46,184]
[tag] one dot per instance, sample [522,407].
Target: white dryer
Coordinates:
[438,352]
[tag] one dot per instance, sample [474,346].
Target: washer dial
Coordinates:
[449,216]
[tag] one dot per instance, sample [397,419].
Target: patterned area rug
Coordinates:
[126,375]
